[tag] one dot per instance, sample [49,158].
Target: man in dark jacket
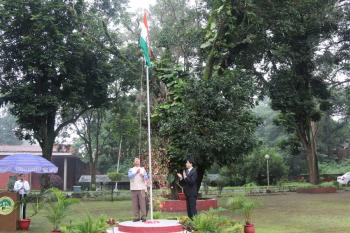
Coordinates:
[188,179]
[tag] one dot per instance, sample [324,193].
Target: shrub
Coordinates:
[244,206]
[89,225]
[55,181]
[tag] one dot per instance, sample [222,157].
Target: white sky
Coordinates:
[140,4]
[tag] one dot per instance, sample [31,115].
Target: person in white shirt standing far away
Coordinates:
[22,188]
[138,184]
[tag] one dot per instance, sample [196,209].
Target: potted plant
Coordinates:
[36,206]
[23,223]
[181,195]
[244,206]
[58,205]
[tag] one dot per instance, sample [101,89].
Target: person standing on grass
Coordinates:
[188,179]
[22,188]
[138,184]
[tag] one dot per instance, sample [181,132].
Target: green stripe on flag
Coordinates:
[145,50]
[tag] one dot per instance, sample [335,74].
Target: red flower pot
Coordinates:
[182,196]
[249,228]
[24,224]
[56,231]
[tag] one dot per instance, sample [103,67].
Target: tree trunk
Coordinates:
[308,137]
[200,173]
[93,176]
[312,162]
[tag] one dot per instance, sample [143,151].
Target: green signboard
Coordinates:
[7,205]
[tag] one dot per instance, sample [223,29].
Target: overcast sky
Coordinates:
[140,4]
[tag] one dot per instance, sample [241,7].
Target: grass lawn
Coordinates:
[290,213]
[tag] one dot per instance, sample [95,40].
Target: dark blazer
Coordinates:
[189,184]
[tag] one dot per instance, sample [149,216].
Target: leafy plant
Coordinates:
[157,215]
[89,225]
[58,207]
[211,222]
[114,176]
[244,206]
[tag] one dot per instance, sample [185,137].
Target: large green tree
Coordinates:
[295,32]
[54,63]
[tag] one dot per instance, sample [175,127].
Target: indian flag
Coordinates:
[145,42]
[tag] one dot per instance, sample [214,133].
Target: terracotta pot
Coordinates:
[56,231]
[182,196]
[249,228]
[24,224]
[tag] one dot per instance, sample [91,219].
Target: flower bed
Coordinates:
[317,190]
[180,205]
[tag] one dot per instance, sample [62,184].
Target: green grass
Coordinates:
[288,213]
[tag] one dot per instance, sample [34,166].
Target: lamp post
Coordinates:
[267,157]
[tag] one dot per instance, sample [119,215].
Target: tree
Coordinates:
[296,30]
[208,120]
[178,27]
[89,130]
[54,64]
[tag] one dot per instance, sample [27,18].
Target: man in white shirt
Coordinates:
[22,188]
[138,184]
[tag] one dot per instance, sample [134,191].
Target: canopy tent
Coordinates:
[26,163]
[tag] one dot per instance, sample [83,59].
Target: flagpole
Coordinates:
[149,144]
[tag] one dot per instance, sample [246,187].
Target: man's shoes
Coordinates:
[143,219]
[136,220]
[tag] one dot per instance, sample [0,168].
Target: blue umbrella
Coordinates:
[26,163]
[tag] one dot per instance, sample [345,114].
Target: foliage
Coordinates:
[295,88]
[334,167]
[54,63]
[57,206]
[55,181]
[115,176]
[177,28]
[209,120]
[89,225]
[255,167]
[243,205]
[211,222]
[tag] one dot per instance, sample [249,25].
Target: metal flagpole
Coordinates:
[149,144]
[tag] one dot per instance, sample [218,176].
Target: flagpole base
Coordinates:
[150,226]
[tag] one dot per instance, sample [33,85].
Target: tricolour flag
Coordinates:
[145,42]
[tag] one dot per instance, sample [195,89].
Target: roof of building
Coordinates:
[99,179]
[58,150]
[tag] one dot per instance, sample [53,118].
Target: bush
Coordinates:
[210,222]
[254,167]
[114,176]
[89,225]
[55,181]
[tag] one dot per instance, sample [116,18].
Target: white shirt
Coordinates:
[22,187]
[137,180]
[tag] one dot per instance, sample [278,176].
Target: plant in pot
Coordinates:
[23,223]
[36,205]
[57,207]
[244,206]
[181,195]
